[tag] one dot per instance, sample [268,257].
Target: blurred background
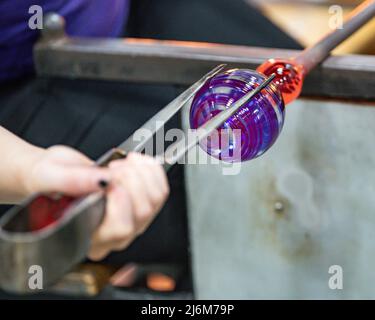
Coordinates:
[274,230]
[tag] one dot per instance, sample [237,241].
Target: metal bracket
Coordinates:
[181,63]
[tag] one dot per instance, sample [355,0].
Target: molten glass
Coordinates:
[259,121]
[289,77]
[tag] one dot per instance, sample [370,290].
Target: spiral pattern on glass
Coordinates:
[258,122]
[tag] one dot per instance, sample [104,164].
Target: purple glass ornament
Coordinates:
[259,122]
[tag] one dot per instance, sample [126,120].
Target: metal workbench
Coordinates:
[273,230]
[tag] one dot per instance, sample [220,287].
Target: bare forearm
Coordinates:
[16,161]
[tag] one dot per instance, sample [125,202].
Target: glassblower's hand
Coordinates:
[137,189]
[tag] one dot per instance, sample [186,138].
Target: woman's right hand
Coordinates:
[137,190]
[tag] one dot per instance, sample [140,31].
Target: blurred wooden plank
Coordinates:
[308,21]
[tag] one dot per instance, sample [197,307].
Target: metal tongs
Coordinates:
[53,232]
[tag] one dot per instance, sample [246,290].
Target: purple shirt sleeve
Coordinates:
[88,18]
